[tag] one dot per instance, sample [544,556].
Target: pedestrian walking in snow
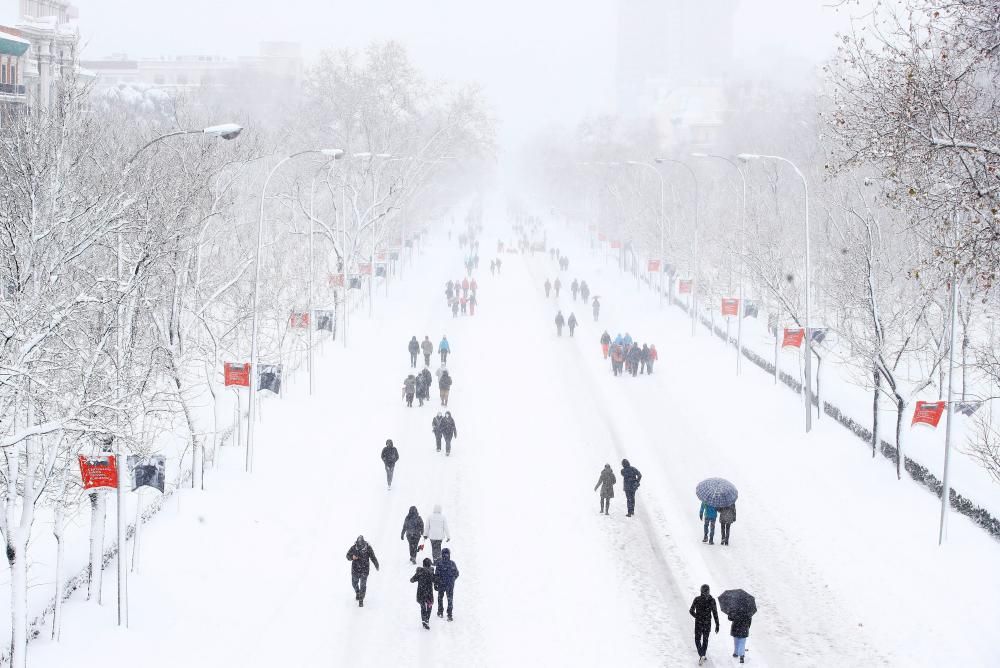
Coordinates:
[424,577]
[498,265]
[631,477]
[708,514]
[633,356]
[414,348]
[617,358]
[437,531]
[437,425]
[556,286]
[473,287]
[413,529]
[493,267]
[465,283]
[424,382]
[390,455]
[605,343]
[444,349]
[644,358]
[584,292]
[548,287]
[454,308]
[653,356]
[704,610]
[449,431]
[464,302]
[449,294]
[473,301]
[409,389]
[596,305]
[727,516]
[426,347]
[575,288]
[560,321]
[740,631]
[445,574]
[359,555]
[444,385]
[606,481]
[572,323]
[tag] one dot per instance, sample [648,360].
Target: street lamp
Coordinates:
[694,288]
[663,215]
[743,222]
[224,130]
[254,371]
[808,336]
[334,155]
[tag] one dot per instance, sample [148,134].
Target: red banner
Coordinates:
[684,286]
[100,471]
[299,320]
[601,236]
[730,306]
[337,280]
[365,268]
[380,256]
[653,266]
[792,338]
[928,412]
[615,243]
[237,374]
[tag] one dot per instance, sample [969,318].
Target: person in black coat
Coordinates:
[560,321]
[740,631]
[445,574]
[414,348]
[630,482]
[413,529]
[572,323]
[424,577]
[703,609]
[359,555]
[437,426]
[449,431]
[390,455]
[444,385]
[548,287]
[606,481]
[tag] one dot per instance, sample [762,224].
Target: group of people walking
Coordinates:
[725,516]
[418,386]
[435,573]
[627,356]
[705,610]
[462,295]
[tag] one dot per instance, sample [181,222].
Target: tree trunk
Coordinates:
[900,411]
[96,566]
[875,397]
[965,348]
[18,602]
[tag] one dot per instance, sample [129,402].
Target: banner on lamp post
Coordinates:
[928,413]
[654,266]
[684,286]
[730,306]
[601,236]
[324,320]
[99,472]
[365,268]
[236,374]
[792,338]
[616,243]
[270,378]
[336,280]
[151,472]
[299,320]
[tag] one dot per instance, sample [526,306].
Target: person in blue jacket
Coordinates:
[628,339]
[444,348]
[445,574]
[708,514]
[619,341]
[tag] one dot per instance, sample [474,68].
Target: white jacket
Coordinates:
[437,525]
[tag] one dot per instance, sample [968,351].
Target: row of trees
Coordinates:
[127,247]
[898,147]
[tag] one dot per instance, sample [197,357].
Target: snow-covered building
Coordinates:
[184,72]
[38,46]
[673,59]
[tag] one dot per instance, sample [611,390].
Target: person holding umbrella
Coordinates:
[715,493]
[703,609]
[740,608]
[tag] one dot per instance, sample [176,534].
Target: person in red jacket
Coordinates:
[652,358]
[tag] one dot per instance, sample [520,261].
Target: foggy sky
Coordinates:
[539,60]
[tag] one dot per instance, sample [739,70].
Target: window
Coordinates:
[3,73]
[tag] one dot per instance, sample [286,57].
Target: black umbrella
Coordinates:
[737,602]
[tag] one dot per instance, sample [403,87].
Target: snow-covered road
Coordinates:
[841,557]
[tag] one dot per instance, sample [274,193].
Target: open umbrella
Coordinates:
[737,602]
[717,492]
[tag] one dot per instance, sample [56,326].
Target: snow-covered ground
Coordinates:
[842,558]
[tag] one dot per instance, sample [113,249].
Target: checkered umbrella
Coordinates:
[717,492]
